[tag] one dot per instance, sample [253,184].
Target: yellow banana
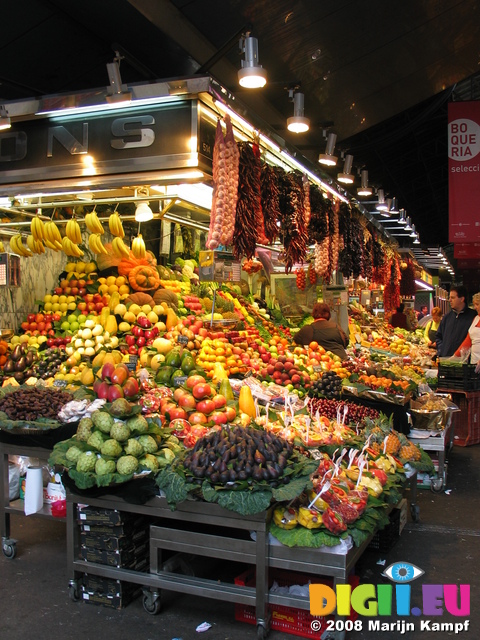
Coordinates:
[93,223]
[115,225]
[21,249]
[94,244]
[115,249]
[50,245]
[13,245]
[37,227]
[73,231]
[100,245]
[2,248]
[122,250]
[138,247]
[54,234]
[39,246]
[32,244]
[66,246]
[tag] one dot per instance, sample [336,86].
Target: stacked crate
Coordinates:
[116,539]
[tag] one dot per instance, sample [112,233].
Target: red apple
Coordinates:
[56,317]
[58,291]
[102,390]
[81,306]
[119,375]
[133,351]
[205,406]
[107,371]
[141,341]
[202,390]
[25,326]
[82,291]
[31,317]
[130,340]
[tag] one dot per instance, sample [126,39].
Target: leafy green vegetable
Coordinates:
[302,537]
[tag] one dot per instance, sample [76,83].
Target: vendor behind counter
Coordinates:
[326,333]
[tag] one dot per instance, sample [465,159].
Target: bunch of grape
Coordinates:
[301,279]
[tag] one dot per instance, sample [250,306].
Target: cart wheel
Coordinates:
[9,550]
[73,592]
[436,485]
[262,633]
[415,512]
[152,605]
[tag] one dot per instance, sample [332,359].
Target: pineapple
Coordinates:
[393,443]
[410,452]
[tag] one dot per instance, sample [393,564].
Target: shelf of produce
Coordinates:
[441,443]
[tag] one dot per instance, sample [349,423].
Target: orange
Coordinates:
[313,345]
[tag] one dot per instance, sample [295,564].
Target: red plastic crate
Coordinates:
[466,422]
[297,622]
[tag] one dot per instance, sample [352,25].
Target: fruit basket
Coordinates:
[6,334]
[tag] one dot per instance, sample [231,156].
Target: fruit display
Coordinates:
[33,403]
[328,386]
[111,446]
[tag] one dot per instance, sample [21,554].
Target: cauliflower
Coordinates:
[73,454]
[127,465]
[111,448]
[104,467]
[138,424]
[134,448]
[84,429]
[86,461]
[149,461]
[120,431]
[96,439]
[102,420]
[148,443]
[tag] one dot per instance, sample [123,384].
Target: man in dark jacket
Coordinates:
[454,325]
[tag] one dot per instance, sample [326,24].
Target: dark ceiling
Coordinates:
[378,74]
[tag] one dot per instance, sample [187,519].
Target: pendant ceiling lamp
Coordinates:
[143,213]
[346,176]
[364,189]
[252,75]
[297,123]
[381,204]
[328,158]
[116,92]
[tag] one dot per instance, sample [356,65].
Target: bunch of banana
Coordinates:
[120,249]
[93,223]
[95,244]
[16,245]
[138,247]
[73,232]
[53,238]
[37,227]
[70,248]
[115,225]
[35,246]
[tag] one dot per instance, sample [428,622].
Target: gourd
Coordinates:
[127,264]
[164,295]
[172,319]
[140,298]
[143,278]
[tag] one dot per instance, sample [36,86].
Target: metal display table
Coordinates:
[227,538]
[442,443]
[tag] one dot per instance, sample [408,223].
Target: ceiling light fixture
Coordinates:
[5,122]
[347,177]
[143,213]
[252,75]
[381,204]
[364,189]
[413,233]
[394,206]
[408,225]
[417,240]
[402,218]
[298,123]
[328,158]
[386,212]
[116,92]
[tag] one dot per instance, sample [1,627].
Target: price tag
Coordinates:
[132,362]
[61,384]
[178,381]
[317,367]
[182,339]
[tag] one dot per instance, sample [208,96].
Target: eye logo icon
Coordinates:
[402,572]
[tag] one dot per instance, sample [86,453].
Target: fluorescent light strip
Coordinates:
[95,108]
[423,285]
[269,143]
[235,117]
[312,176]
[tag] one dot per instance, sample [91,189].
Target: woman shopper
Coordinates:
[431,327]
[472,341]
[328,334]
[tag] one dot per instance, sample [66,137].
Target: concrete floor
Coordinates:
[34,601]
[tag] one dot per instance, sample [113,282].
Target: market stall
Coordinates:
[169,325]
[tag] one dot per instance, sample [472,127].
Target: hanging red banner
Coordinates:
[464,171]
[469,251]
[468,264]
